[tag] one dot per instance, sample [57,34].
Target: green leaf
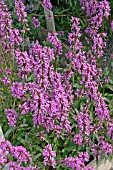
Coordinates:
[66,150]
[110,87]
[111,111]
[38,148]
[83,24]
[31,77]
[46,140]
[21,140]
[36,157]
[106,99]
[23,125]
[77,85]
[9,131]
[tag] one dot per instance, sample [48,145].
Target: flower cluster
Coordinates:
[11,116]
[35,22]
[25,108]
[14,37]
[5,21]
[110,129]
[49,101]
[73,37]
[4,151]
[21,154]
[20,11]
[102,147]
[18,152]
[78,162]
[17,166]
[24,63]
[53,39]
[87,66]
[6,81]
[84,122]
[47,4]
[49,156]
[78,139]
[46,94]
[18,91]
[96,11]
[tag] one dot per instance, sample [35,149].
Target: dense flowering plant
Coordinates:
[53,117]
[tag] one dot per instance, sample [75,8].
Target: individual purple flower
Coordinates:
[79,93]
[25,30]
[25,108]
[35,22]
[89,168]
[61,33]
[11,116]
[91,7]
[107,79]
[6,81]
[49,156]
[98,45]
[84,156]
[8,71]
[41,135]
[78,139]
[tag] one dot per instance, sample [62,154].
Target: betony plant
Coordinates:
[61,118]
